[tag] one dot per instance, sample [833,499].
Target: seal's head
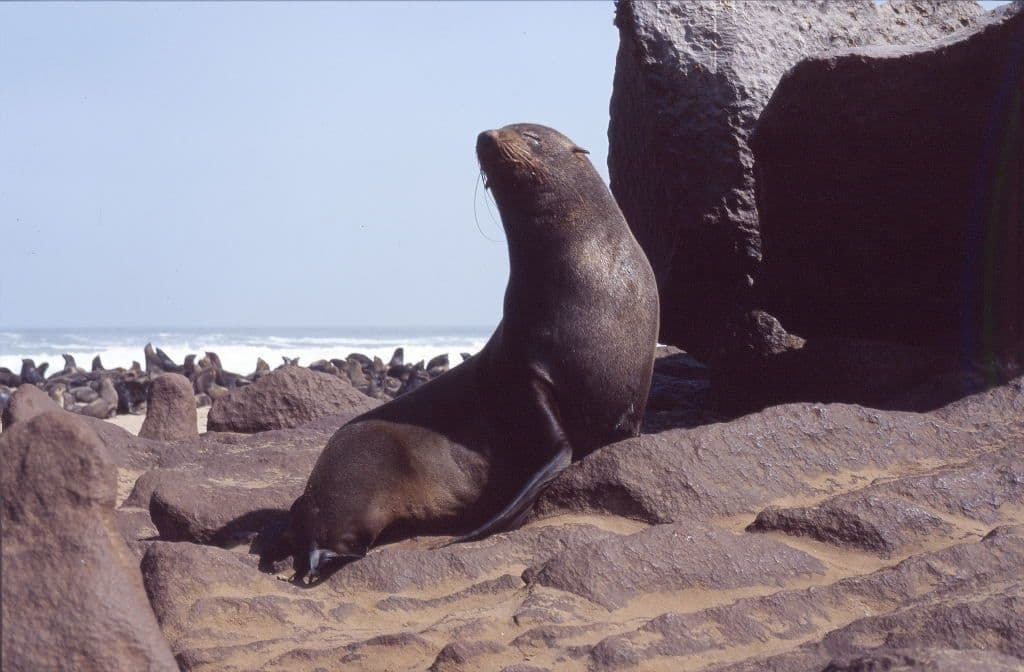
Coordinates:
[534,170]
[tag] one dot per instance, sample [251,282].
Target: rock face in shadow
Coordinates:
[288,397]
[72,594]
[890,198]
[170,409]
[691,79]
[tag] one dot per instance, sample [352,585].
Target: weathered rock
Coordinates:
[586,588]
[465,655]
[393,570]
[884,191]
[231,486]
[691,79]
[27,402]
[121,446]
[888,608]
[612,572]
[288,397]
[927,660]
[136,527]
[882,525]
[170,409]
[730,468]
[893,515]
[206,598]
[72,595]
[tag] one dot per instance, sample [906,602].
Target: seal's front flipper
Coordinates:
[515,512]
[561,456]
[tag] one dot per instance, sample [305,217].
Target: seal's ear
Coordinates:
[579,150]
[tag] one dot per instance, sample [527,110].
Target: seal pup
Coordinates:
[567,371]
[57,393]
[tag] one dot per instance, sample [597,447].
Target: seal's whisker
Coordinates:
[482,177]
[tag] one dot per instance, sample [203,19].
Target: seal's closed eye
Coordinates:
[531,138]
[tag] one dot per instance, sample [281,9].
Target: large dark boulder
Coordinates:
[72,593]
[691,79]
[288,397]
[890,185]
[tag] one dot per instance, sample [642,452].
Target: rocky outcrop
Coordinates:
[72,594]
[889,197]
[170,409]
[288,397]
[691,79]
[680,475]
[796,538]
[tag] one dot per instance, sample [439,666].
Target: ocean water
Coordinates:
[238,347]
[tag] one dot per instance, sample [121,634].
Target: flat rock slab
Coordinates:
[72,594]
[895,515]
[951,599]
[670,558]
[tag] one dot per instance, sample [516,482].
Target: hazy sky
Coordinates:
[264,164]
[267,164]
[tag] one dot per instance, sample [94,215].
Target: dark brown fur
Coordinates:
[567,371]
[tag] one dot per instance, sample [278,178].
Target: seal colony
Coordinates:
[566,371]
[126,390]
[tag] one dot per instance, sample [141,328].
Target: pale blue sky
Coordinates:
[267,164]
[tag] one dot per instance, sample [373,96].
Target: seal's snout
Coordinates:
[486,145]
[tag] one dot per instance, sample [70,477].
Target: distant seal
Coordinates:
[9,378]
[105,406]
[32,374]
[70,366]
[566,371]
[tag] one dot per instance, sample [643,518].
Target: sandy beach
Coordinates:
[133,423]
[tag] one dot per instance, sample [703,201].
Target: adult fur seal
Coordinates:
[566,371]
